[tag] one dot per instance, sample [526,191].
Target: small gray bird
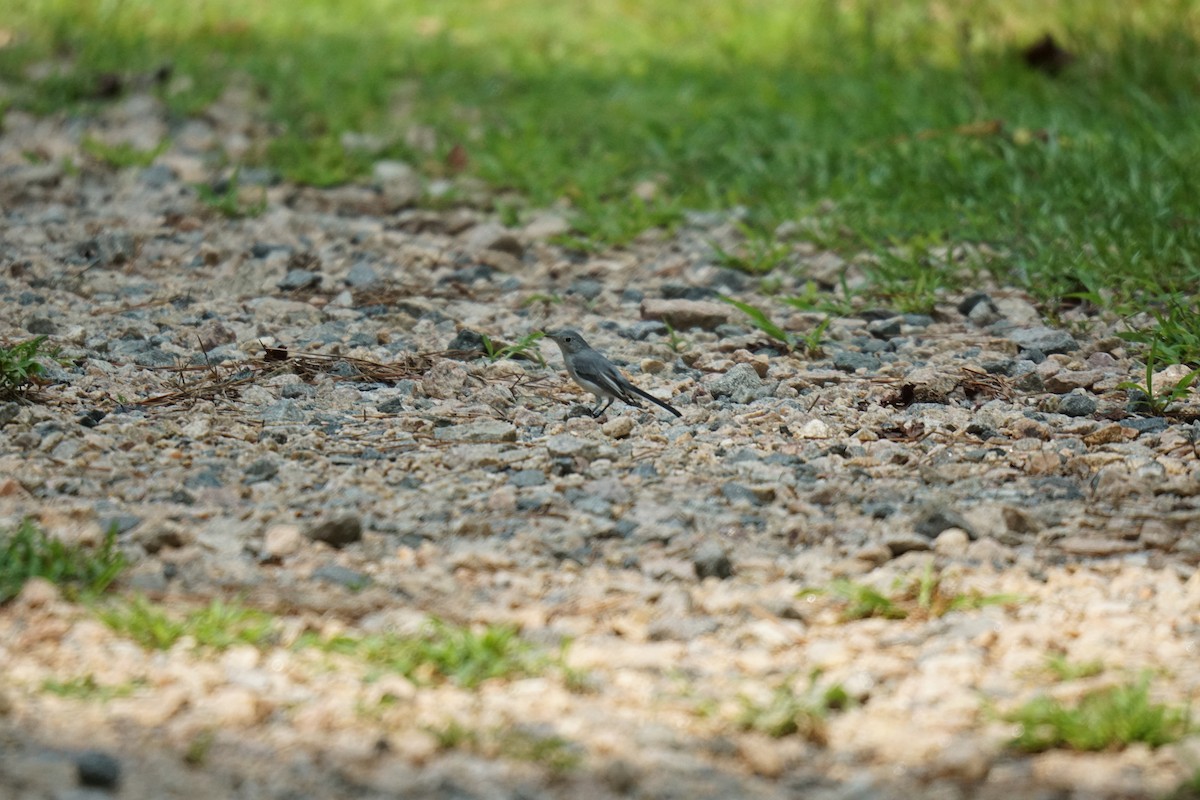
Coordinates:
[591,370]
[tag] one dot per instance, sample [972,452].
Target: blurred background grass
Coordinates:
[894,126]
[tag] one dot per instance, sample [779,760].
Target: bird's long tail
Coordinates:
[654,400]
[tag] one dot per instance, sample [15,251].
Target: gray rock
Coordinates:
[737,493]
[298,391]
[851,361]
[336,532]
[587,288]
[352,579]
[525,478]
[41,326]
[8,412]
[486,430]
[711,560]
[884,328]
[968,303]
[641,331]
[493,236]
[1077,404]
[686,314]
[900,543]
[284,410]
[936,519]
[740,384]
[300,279]
[1047,340]
[929,385]
[262,470]
[157,176]
[566,445]
[468,340]
[362,274]
[99,769]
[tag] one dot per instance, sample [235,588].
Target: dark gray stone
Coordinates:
[970,301]
[361,275]
[677,291]
[262,470]
[711,560]
[1077,404]
[740,383]
[99,769]
[884,328]
[352,579]
[300,279]
[1047,340]
[336,532]
[851,361]
[933,521]
[466,339]
[641,331]
[587,288]
[393,405]
[293,391]
[736,492]
[42,326]
[1145,424]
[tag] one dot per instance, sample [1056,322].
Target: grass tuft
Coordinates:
[1108,719]
[219,625]
[28,552]
[462,655]
[20,367]
[789,713]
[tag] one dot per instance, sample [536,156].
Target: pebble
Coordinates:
[1045,340]
[711,560]
[618,427]
[740,383]
[686,314]
[337,532]
[476,432]
[98,769]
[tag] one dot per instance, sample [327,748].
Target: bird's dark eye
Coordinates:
[567,339]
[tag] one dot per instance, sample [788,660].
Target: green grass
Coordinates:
[1065,670]
[28,552]
[918,597]
[20,366]
[85,687]
[228,201]
[218,625]
[524,348]
[462,655]
[123,154]
[557,754]
[892,127]
[1108,719]
[789,713]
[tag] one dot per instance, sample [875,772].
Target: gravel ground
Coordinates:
[291,409]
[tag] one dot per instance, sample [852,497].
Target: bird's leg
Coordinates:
[598,410]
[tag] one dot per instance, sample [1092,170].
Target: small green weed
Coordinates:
[1103,720]
[85,687]
[543,298]
[760,320]
[20,367]
[317,160]
[554,752]
[813,299]
[443,652]
[199,747]
[1188,790]
[122,155]
[924,596]
[1175,337]
[521,349]
[674,340]
[1064,670]
[1158,402]
[788,713]
[758,254]
[227,199]
[218,625]
[28,553]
